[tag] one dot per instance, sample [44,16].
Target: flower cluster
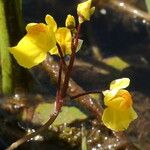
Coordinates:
[42,38]
[119,111]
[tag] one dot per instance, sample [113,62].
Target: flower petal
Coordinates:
[32,48]
[85,11]
[27,54]
[51,22]
[54,51]
[120,83]
[80,42]
[122,100]
[29,25]
[109,95]
[41,36]
[118,120]
[64,39]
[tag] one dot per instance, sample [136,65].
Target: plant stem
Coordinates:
[39,131]
[67,76]
[61,93]
[59,76]
[61,56]
[18,7]
[52,68]
[86,93]
[6,69]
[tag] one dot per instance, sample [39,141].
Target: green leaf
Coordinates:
[67,115]
[116,63]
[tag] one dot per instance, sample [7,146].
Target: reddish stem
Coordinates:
[59,76]
[61,55]
[67,76]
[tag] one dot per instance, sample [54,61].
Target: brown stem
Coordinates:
[86,93]
[52,69]
[57,109]
[39,131]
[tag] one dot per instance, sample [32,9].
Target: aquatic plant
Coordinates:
[47,39]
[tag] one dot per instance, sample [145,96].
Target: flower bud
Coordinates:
[85,11]
[70,22]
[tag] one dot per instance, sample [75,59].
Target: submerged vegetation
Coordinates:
[47,63]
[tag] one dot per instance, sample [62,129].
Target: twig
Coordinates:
[86,93]
[72,58]
[59,76]
[39,131]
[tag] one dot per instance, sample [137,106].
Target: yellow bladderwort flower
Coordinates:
[85,11]
[33,47]
[119,111]
[63,37]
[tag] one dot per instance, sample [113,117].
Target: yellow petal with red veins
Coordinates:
[42,36]
[118,120]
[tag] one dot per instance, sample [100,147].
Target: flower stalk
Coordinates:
[72,58]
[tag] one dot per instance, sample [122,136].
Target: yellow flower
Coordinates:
[85,11]
[119,111]
[33,47]
[41,38]
[70,22]
[63,37]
